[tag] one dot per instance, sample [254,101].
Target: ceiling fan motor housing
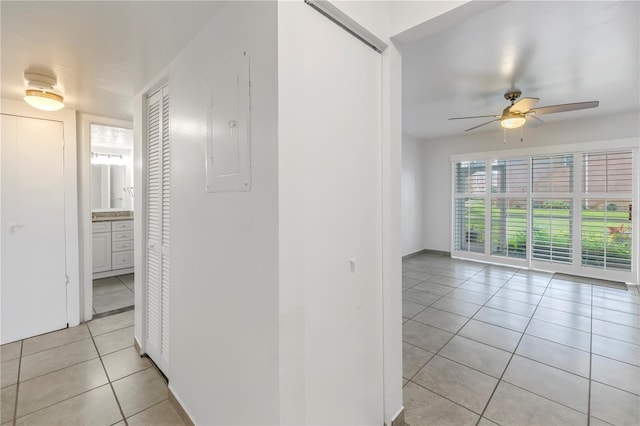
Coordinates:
[512,95]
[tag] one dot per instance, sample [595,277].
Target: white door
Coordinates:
[158,209]
[343,233]
[34,294]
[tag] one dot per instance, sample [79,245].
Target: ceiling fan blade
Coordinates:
[524,105]
[533,121]
[565,107]
[475,116]
[483,124]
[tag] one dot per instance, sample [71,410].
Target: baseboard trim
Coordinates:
[179,409]
[398,420]
[112,273]
[427,251]
[136,345]
[410,255]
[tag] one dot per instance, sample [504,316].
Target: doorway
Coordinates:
[107,216]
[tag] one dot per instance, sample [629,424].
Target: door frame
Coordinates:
[84,205]
[68,119]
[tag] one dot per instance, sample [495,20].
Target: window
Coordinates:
[606,234]
[566,212]
[470,181]
[552,185]
[509,182]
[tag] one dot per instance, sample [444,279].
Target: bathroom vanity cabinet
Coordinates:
[112,247]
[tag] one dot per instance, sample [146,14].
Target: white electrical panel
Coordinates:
[228,136]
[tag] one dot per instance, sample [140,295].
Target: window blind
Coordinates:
[607,172]
[552,230]
[470,224]
[552,174]
[509,227]
[510,176]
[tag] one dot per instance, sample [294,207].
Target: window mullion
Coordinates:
[577,211]
[487,208]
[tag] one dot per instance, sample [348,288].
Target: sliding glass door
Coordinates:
[569,212]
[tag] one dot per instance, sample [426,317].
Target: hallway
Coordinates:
[85,375]
[487,344]
[482,345]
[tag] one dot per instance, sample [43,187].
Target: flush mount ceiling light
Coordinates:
[40,94]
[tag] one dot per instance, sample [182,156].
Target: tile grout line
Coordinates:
[500,380]
[77,363]
[15,404]
[510,329]
[84,392]
[546,293]
[453,334]
[449,340]
[109,379]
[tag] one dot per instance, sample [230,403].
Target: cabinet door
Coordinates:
[101,252]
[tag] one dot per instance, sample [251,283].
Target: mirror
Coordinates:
[108,187]
[111,168]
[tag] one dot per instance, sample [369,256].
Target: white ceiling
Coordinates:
[560,52]
[111,137]
[102,52]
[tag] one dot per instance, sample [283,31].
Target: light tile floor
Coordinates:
[113,293]
[85,375]
[490,345]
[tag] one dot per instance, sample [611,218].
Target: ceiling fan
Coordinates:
[518,113]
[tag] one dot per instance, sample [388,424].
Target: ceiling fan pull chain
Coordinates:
[521,134]
[505,136]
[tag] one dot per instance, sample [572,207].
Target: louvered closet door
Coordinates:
[158,211]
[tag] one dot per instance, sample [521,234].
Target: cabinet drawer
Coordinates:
[122,236]
[122,245]
[123,259]
[98,227]
[121,225]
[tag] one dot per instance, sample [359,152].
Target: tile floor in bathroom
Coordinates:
[487,345]
[85,375]
[113,293]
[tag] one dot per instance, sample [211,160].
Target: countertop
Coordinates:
[111,216]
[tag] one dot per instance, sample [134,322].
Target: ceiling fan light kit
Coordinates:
[518,113]
[513,122]
[40,94]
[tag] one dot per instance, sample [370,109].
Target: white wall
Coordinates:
[224,246]
[225,305]
[437,167]
[412,197]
